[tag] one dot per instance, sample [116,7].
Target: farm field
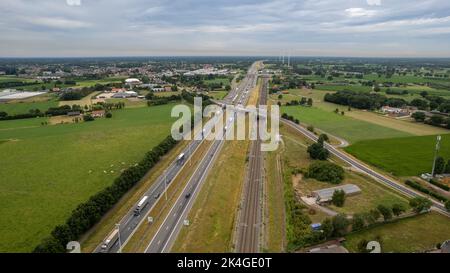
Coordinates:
[404,125]
[409,156]
[51,169]
[348,128]
[415,234]
[24,107]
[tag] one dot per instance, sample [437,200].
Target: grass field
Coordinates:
[49,170]
[223,81]
[401,156]
[24,107]
[348,128]
[407,125]
[415,234]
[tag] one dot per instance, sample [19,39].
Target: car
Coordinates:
[187,196]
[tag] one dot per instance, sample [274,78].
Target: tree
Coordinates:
[317,151]
[3,114]
[398,209]
[447,205]
[174,88]
[108,115]
[439,165]
[385,211]
[88,118]
[326,171]
[50,245]
[310,128]
[447,167]
[375,215]
[338,198]
[327,228]
[420,204]
[323,138]
[310,102]
[419,116]
[376,88]
[280,97]
[340,225]
[358,222]
[424,94]
[362,246]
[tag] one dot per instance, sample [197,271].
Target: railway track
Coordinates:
[251,215]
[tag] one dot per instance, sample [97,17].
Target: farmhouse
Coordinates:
[124,95]
[325,195]
[98,114]
[398,112]
[74,113]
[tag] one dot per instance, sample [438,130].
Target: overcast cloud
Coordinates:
[401,28]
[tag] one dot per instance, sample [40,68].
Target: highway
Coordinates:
[249,225]
[363,168]
[168,231]
[130,222]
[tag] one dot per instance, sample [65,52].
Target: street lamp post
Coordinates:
[165,183]
[436,152]
[120,242]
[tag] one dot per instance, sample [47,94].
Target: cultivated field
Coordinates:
[401,156]
[49,170]
[348,128]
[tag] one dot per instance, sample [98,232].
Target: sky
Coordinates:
[354,28]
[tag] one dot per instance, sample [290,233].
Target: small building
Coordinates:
[98,113]
[393,111]
[74,113]
[125,95]
[445,247]
[325,195]
[133,81]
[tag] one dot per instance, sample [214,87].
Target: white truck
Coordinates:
[110,241]
[141,205]
[180,158]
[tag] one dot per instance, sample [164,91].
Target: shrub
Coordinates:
[420,204]
[108,115]
[326,171]
[338,198]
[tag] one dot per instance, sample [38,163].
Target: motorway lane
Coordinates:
[169,229]
[361,167]
[164,239]
[129,222]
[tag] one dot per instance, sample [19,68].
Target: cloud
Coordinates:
[147,27]
[374,2]
[58,23]
[360,12]
[73,2]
